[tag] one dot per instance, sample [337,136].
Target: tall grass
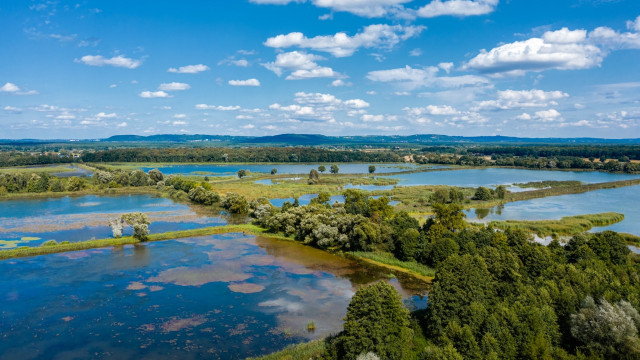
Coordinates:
[311,350]
[426,273]
[569,225]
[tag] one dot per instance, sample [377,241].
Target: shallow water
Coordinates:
[221,297]
[502,176]
[622,200]
[31,222]
[306,199]
[232,169]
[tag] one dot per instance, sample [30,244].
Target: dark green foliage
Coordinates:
[372,169]
[202,196]
[483,194]
[322,168]
[155,175]
[274,171]
[334,169]
[242,173]
[376,322]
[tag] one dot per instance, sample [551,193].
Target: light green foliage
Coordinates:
[322,168]
[334,169]
[138,221]
[138,178]
[609,329]
[156,176]
[75,184]
[201,196]
[236,204]
[314,177]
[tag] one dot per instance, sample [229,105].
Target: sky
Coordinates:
[92,69]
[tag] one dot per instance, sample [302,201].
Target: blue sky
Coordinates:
[91,69]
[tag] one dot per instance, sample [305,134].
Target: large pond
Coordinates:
[232,169]
[502,176]
[622,200]
[216,297]
[34,221]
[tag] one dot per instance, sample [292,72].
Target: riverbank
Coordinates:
[566,226]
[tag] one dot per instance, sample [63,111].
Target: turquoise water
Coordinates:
[232,169]
[216,297]
[501,176]
[624,200]
[34,221]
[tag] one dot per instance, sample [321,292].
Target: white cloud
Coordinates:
[411,78]
[179,122]
[180,116]
[340,82]
[14,89]
[459,8]
[446,66]
[122,124]
[174,86]
[415,52]
[117,61]
[365,8]
[432,110]
[516,99]
[113,86]
[524,116]
[9,87]
[217,107]
[301,65]
[378,118]
[189,69]
[103,115]
[319,107]
[12,110]
[342,45]
[249,82]
[548,115]
[153,94]
[562,49]
[248,126]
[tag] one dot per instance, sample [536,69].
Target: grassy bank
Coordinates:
[569,225]
[140,190]
[305,351]
[548,184]
[128,240]
[564,190]
[388,261]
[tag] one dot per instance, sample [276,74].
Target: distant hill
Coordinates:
[316,139]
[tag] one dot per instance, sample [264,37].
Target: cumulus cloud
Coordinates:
[340,82]
[153,94]
[517,99]
[342,45]
[301,66]
[319,107]
[14,89]
[9,87]
[459,8]
[548,115]
[412,78]
[103,115]
[432,110]
[174,86]
[249,82]
[562,49]
[189,69]
[117,61]
[364,8]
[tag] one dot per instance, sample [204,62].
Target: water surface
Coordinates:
[622,200]
[217,297]
[30,222]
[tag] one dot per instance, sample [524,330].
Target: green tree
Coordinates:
[242,173]
[441,196]
[274,171]
[334,169]
[500,191]
[322,169]
[450,216]
[483,194]
[372,169]
[236,204]
[314,177]
[75,184]
[155,175]
[376,322]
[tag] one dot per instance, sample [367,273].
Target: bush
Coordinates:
[236,204]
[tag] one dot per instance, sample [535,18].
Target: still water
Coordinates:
[217,297]
[34,221]
[623,200]
[501,176]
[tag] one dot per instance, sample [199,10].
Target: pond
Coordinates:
[34,221]
[503,176]
[218,297]
[232,169]
[622,200]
